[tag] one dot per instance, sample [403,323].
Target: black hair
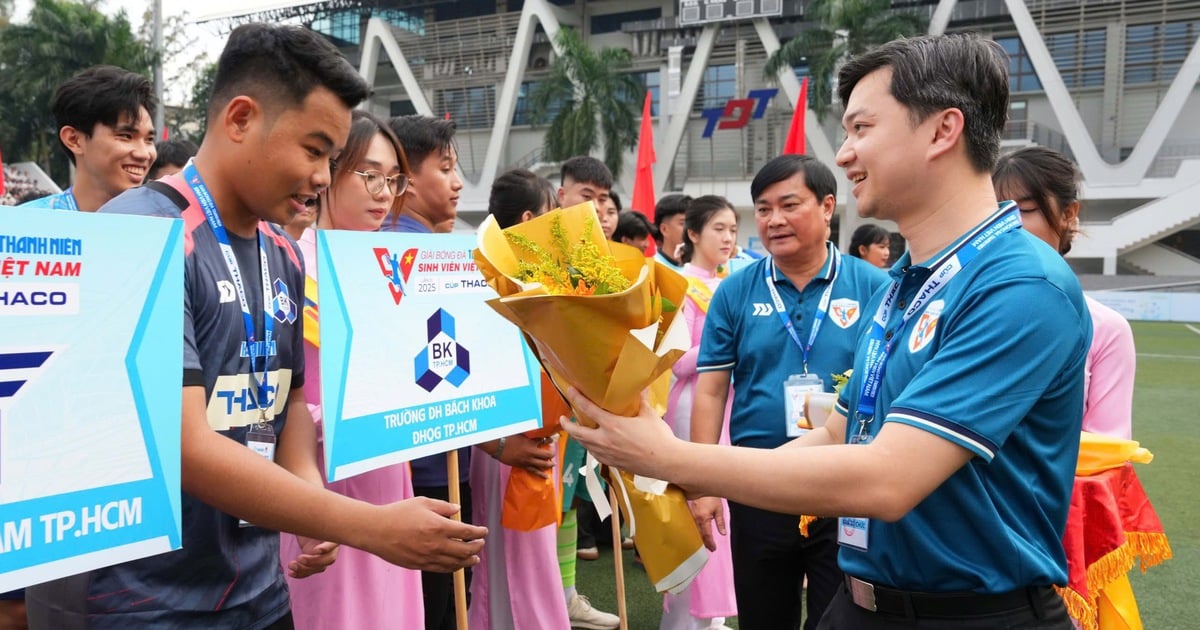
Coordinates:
[669,206]
[616,199]
[633,225]
[699,212]
[866,235]
[516,192]
[101,95]
[586,169]
[422,136]
[171,153]
[1042,174]
[281,65]
[937,72]
[817,177]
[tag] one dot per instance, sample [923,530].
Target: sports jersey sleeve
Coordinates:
[718,343]
[1007,357]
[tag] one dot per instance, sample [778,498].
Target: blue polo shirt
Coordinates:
[743,335]
[64,200]
[993,363]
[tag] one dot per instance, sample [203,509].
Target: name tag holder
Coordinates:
[796,390]
[261,439]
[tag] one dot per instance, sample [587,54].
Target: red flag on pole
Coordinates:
[643,179]
[795,138]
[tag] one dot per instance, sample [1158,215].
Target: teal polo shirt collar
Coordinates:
[824,275]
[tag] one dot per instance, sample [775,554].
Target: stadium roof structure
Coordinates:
[307,12]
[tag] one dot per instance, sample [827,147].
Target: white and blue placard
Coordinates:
[91,368]
[413,360]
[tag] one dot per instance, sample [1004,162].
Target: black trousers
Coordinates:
[770,562]
[437,589]
[843,614]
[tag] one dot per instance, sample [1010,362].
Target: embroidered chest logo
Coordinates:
[926,326]
[844,312]
[282,306]
[763,309]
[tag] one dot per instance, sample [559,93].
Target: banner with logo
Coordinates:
[91,357]
[413,362]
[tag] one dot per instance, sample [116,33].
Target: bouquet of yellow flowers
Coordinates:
[601,318]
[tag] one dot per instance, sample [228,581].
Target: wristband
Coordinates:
[499,449]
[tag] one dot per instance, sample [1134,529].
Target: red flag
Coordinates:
[795,138]
[2,175]
[643,179]
[166,133]
[447,115]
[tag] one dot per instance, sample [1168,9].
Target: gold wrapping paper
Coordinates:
[611,348]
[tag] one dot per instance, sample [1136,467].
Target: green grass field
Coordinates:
[1166,403]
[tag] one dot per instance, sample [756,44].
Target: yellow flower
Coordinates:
[582,269]
[840,380]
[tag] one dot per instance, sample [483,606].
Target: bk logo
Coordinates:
[396,269]
[737,112]
[442,358]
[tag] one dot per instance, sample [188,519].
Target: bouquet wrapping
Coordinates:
[600,317]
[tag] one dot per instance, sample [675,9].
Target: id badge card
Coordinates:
[261,439]
[796,389]
[852,532]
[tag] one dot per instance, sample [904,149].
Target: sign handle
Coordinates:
[618,556]
[460,576]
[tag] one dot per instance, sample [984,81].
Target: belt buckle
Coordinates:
[862,593]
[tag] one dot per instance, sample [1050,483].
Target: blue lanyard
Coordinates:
[944,269]
[822,306]
[256,351]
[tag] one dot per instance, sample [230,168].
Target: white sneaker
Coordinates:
[582,615]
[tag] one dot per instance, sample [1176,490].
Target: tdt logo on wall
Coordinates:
[738,112]
[442,358]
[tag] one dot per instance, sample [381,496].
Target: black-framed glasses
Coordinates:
[376,181]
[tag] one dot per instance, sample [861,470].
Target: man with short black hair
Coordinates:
[104,127]
[950,456]
[434,184]
[668,219]
[280,111]
[584,178]
[781,327]
[173,155]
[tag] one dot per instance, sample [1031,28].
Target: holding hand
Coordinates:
[315,556]
[418,534]
[708,511]
[535,456]
[639,445]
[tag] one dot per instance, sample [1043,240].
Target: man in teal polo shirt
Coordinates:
[951,455]
[786,322]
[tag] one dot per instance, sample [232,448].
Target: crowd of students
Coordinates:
[284,155]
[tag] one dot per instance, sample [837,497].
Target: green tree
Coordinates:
[201,95]
[60,39]
[841,29]
[590,100]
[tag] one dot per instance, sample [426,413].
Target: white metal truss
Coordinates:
[1174,207]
